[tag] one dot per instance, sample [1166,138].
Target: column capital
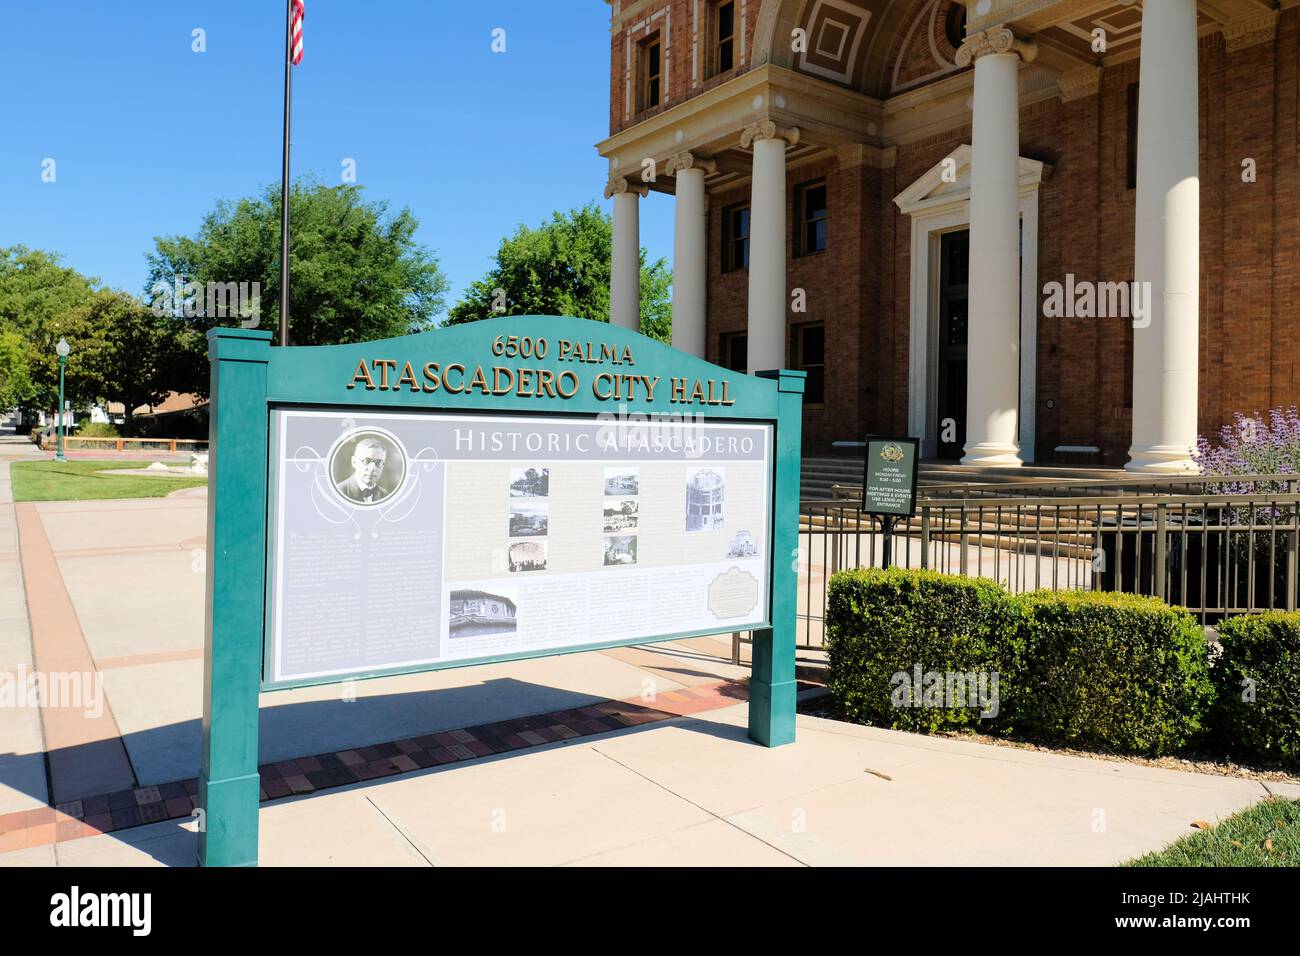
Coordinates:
[1243,32]
[688,160]
[997,39]
[767,129]
[618,185]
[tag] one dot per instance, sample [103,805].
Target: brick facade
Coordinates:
[1250,250]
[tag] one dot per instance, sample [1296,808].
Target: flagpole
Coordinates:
[284,177]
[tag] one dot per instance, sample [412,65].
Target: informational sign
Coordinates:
[402,540]
[889,477]
[498,490]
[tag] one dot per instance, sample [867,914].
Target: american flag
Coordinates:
[299,11]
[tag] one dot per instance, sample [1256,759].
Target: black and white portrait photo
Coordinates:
[368,467]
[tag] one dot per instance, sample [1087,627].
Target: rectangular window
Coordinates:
[808,354]
[724,36]
[735,238]
[733,351]
[810,218]
[1131,159]
[650,54]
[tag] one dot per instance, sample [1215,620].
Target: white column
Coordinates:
[690,252]
[993,363]
[625,264]
[767,243]
[1166,254]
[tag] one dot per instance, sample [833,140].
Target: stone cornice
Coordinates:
[1247,31]
[992,41]
[767,129]
[688,160]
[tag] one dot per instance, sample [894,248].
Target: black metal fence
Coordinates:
[1216,546]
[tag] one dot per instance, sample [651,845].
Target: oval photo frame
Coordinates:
[348,480]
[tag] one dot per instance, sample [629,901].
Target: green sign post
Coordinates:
[512,488]
[889,484]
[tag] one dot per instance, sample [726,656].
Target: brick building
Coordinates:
[1023,230]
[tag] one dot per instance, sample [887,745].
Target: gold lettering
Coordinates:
[726,397]
[362,374]
[571,376]
[525,386]
[382,366]
[479,381]
[606,352]
[595,386]
[650,387]
[431,373]
[446,378]
[497,389]
[545,382]
[697,393]
[565,348]
[679,389]
[627,355]
[408,375]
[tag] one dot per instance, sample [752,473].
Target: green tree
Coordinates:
[562,268]
[35,293]
[123,351]
[355,272]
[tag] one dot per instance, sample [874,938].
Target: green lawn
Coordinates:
[1267,834]
[79,480]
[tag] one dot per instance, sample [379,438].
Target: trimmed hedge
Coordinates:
[1114,670]
[1263,650]
[1079,667]
[881,624]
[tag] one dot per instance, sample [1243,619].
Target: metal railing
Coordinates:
[1216,554]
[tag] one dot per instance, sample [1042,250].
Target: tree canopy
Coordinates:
[562,267]
[356,272]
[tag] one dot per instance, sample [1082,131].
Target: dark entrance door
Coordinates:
[954,270]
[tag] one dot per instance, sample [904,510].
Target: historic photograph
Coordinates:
[528,556]
[530,482]
[528,520]
[474,613]
[620,514]
[705,494]
[620,549]
[742,546]
[622,481]
[367,467]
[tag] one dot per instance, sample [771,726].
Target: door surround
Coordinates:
[939,202]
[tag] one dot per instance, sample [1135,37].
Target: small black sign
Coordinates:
[889,477]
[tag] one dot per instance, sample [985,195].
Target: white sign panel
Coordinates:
[404,540]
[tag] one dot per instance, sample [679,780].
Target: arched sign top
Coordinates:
[517,363]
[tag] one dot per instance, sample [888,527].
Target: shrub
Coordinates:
[89,429]
[882,624]
[1112,670]
[1260,659]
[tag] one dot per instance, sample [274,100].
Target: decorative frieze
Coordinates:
[1248,31]
[1079,84]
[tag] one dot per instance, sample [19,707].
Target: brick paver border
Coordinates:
[109,812]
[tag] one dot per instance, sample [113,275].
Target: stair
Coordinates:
[819,474]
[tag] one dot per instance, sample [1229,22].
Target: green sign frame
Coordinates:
[250,380]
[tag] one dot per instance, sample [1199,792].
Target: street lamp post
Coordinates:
[63,350]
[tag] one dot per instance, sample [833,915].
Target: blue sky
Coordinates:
[147,134]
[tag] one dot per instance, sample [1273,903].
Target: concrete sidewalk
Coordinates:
[695,792]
